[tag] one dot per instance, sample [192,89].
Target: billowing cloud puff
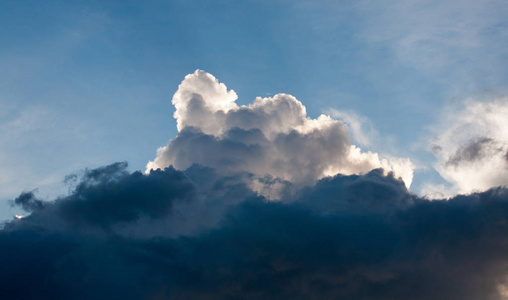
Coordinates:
[472,148]
[270,137]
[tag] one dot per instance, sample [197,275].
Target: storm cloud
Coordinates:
[121,235]
[261,202]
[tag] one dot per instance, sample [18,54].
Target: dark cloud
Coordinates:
[346,237]
[471,151]
[110,195]
[28,202]
[369,193]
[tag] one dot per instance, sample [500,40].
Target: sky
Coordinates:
[169,127]
[85,84]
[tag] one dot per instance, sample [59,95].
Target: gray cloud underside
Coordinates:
[475,149]
[195,234]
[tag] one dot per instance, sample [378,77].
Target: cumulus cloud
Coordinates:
[272,136]
[472,146]
[200,223]
[347,236]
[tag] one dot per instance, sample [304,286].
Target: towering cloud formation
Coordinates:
[272,136]
[207,230]
[472,148]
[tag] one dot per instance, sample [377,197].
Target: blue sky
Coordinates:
[88,83]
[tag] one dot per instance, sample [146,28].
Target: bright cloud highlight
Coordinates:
[472,147]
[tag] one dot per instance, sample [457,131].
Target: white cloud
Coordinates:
[472,147]
[271,136]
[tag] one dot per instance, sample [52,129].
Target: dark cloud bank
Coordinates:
[196,235]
